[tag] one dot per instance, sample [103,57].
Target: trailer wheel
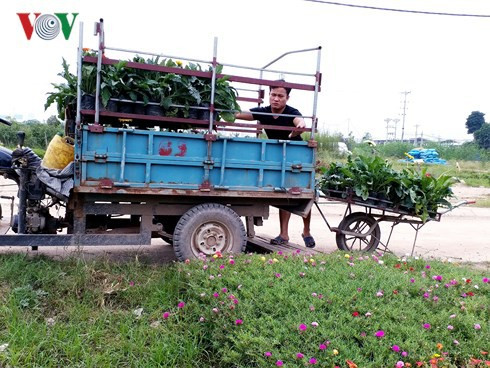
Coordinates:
[359,223]
[208,228]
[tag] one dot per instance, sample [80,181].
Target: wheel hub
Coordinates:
[212,237]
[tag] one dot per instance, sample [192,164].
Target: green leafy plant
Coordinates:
[417,192]
[65,93]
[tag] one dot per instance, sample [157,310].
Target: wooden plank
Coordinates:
[262,244]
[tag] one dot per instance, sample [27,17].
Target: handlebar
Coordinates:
[6,122]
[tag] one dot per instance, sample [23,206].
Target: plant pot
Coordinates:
[125,107]
[111,106]
[194,113]
[87,102]
[204,114]
[154,110]
[139,109]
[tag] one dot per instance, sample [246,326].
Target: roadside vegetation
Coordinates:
[296,310]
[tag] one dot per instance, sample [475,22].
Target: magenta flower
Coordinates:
[400,364]
[231,261]
[300,356]
[131,283]
[404,354]
[278,275]
[239,322]
[380,334]
[477,326]
[267,354]
[412,280]
[426,326]
[427,266]
[426,295]
[216,295]
[395,348]
[302,327]
[279,363]
[485,280]
[224,290]
[181,305]
[322,346]
[165,315]
[312,361]
[221,266]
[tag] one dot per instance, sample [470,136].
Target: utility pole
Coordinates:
[405,93]
[396,124]
[387,120]
[416,128]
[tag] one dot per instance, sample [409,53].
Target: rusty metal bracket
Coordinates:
[106,184]
[96,128]
[295,190]
[312,143]
[210,137]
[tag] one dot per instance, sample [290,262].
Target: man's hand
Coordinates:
[299,123]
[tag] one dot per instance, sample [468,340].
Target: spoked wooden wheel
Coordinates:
[359,232]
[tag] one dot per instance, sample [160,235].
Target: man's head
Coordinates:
[278,98]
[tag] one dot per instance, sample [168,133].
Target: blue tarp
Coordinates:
[429,156]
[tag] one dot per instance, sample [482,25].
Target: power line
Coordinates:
[400,10]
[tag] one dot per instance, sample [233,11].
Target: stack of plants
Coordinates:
[139,91]
[372,180]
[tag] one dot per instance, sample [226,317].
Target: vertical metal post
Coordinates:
[79,73]
[100,54]
[213,87]
[315,97]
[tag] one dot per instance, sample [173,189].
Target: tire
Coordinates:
[208,228]
[361,223]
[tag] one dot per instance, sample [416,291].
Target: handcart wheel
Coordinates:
[362,233]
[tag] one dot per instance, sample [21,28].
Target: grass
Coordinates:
[233,312]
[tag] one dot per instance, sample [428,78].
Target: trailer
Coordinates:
[199,183]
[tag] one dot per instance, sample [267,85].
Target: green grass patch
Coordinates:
[233,312]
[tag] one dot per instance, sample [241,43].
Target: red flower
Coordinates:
[395,292]
[468,281]
[355,314]
[470,293]
[398,265]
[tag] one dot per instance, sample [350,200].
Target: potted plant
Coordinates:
[65,93]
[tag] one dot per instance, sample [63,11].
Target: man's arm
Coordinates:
[298,123]
[244,116]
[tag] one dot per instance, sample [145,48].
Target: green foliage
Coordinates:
[75,313]
[418,192]
[475,121]
[65,93]
[38,135]
[482,136]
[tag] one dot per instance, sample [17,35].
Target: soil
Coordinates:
[462,235]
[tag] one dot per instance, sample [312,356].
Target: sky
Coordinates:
[368,57]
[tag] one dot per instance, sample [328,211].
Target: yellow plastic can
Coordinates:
[60,152]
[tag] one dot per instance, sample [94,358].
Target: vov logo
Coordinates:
[47,26]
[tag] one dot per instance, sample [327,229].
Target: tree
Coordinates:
[482,136]
[475,121]
[53,121]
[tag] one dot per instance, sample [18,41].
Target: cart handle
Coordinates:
[459,204]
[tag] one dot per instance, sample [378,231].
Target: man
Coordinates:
[278,98]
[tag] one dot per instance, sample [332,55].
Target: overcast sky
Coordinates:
[368,56]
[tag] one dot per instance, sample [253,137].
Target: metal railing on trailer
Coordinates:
[211,124]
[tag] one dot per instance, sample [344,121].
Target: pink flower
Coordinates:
[426,326]
[485,280]
[181,305]
[412,280]
[278,275]
[437,278]
[224,290]
[426,295]
[404,354]
[302,327]
[379,333]
[314,324]
[215,310]
[279,363]
[231,261]
[300,356]
[477,326]
[239,322]
[216,295]
[435,298]
[312,308]
[221,266]
[322,346]
[302,274]
[450,327]
[267,354]
[452,316]
[455,342]
[379,294]
[400,364]
[395,348]
[427,266]
[131,283]
[166,315]
[312,361]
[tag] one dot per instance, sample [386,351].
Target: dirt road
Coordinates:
[462,235]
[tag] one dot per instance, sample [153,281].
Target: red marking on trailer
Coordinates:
[165,151]
[182,150]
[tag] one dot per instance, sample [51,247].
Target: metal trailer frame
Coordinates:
[140,205]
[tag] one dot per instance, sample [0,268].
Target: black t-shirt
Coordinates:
[278,121]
